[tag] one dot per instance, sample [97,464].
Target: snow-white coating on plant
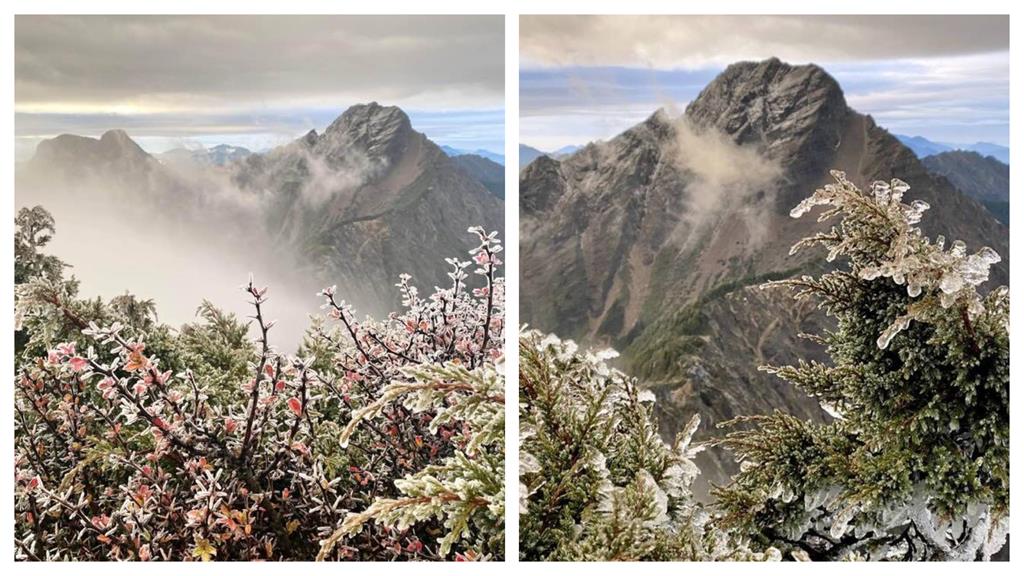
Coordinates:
[952,276]
[916,464]
[380,440]
[596,480]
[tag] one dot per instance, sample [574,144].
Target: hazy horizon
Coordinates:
[439,127]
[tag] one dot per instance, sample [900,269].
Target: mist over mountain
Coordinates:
[655,241]
[356,206]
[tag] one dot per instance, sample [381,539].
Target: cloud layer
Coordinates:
[166,63]
[702,41]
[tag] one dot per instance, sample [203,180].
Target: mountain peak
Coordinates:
[378,130]
[69,149]
[117,142]
[364,117]
[771,102]
[310,138]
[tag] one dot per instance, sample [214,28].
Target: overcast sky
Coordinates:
[590,77]
[255,80]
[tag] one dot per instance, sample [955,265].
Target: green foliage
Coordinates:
[466,490]
[596,480]
[34,228]
[915,466]
[665,346]
[215,348]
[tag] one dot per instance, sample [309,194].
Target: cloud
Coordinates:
[203,244]
[551,129]
[711,158]
[692,42]
[960,99]
[146,64]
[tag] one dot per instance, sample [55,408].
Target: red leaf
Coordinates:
[295,405]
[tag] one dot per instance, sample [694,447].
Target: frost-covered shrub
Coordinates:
[596,480]
[915,465]
[378,440]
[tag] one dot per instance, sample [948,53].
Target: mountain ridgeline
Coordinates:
[370,199]
[655,241]
[983,178]
[365,201]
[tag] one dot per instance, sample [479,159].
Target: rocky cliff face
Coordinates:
[650,241]
[369,199]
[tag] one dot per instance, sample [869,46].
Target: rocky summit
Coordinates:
[655,241]
[370,199]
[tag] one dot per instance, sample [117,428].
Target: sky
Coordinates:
[585,78]
[255,81]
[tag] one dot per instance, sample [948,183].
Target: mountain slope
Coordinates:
[649,241]
[983,178]
[370,199]
[487,172]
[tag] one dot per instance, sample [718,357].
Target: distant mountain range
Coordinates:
[219,155]
[566,150]
[492,156]
[979,170]
[528,154]
[655,241]
[360,204]
[924,147]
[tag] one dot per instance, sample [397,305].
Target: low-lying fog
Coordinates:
[117,241]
